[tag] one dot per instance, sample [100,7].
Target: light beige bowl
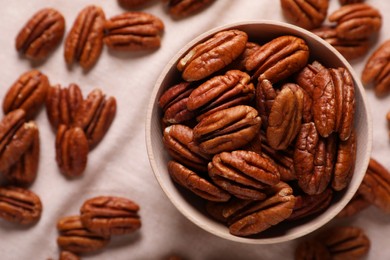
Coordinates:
[191,206]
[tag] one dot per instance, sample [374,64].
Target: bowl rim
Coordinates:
[148,132]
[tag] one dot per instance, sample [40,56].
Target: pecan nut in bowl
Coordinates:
[41,34]
[108,215]
[265,97]
[133,31]
[184,8]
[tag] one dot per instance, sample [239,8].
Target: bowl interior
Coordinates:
[193,207]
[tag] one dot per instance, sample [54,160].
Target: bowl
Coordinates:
[189,204]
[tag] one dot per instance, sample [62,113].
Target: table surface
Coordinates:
[119,166]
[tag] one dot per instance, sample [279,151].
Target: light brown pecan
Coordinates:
[28,93]
[244,174]
[19,205]
[130,4]
[227,129]
[62,104]
[354,206]
[377,69]
[133,31]
[306,75]
[196,183]
[183,8]
[66,255]
[74,237]
[95,115]
[278,59]
[375,187]
[224,47]
[348,2]
[108,215]
[285,117]
[41,34]
[84,42]
[71,150]
[307,14]
[356,21]
[312,250]
[220,92]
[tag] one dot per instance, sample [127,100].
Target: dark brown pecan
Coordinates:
[313,159]
[354,206]
[28,93]
[285,117]
[265,96]
[133,31]
[130,4]
[356,21]
[278,59]
[377,69]
[107,215]
[307,14]
[174,104]
[19,205]
[350,49]
[71,150]
[183,8]
[243,173]
[375,187]
[196,183]
[345,242]
[308,205]
[74,237]
[345,163]
[224,47]
[84,42]
[16,138]
[24,171]
[220,92]
[348,2]
[261,215]
[95,115]
[41,34]
[227,129]
[178,142]
[312,250]
[66,255]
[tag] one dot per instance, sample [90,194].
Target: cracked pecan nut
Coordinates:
[278,59]
[354,206]
[84,42]
[131,4]
[348,2]
[19,205]
[377,69]
[227,129]
[95,115]
[285,117]
[107,215]
[184,8]
[313,250]
[220,92]
[244,174]
[71,150]
[224,47]
[28,93]
[74,237]
[307,14]
[62,104]
[356,21]
[66,255]
[41,34]
[196,183]
[133,31]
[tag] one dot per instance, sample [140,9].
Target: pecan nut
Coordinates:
[107,215]
[196,183]
[265,96]
[377,69]
[239,63]
[227,129]
[19,205]
[224,47]
[84,42]
[74,237]
[62,104]
[95,115]
[348,2]
[306,75]
[354,206]
[183,8]
[312,249]
[129,4]
[71,150]
[66,255]
[278,59]
[307,14]
[133,31]
[28,93]
[41,34]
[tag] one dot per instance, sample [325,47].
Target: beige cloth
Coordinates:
[119,165]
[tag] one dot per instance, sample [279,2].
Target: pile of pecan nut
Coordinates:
[260,130]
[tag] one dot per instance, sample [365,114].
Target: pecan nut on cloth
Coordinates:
[131,4]
[179,9]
